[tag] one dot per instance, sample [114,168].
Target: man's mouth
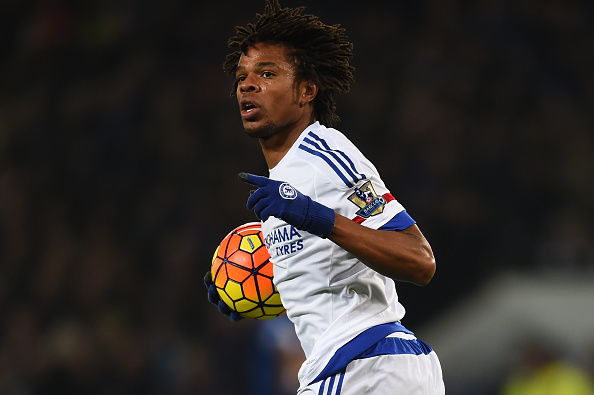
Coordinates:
[248,109]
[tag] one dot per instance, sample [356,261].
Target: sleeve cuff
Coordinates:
[400,221]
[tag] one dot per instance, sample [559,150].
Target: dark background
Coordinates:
[120,145]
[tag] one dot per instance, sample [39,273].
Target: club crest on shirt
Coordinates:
[367,200]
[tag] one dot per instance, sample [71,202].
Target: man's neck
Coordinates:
[276,147]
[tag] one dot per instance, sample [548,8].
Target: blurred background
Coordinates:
[119,149]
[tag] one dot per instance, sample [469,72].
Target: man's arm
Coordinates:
[401,255]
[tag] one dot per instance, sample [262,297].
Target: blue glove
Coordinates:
[214,298]
[279,199]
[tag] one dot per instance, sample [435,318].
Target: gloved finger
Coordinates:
[235,316]
[263,210]
[255,197]
[213,294]
[223,308]
[258,181]
[208,279]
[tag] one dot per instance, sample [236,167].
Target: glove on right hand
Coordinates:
[280,200]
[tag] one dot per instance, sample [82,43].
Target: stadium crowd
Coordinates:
[120,145]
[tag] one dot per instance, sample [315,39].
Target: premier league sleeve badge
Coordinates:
[367,200]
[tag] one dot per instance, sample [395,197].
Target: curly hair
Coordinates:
[320,52]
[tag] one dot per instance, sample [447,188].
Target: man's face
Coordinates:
[270,99]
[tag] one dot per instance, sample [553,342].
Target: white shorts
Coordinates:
[398,364]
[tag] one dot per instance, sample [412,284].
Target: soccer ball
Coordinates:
[242,273]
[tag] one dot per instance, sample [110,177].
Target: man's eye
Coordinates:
[267,74]
[240,78]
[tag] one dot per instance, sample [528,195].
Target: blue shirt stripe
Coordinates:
[339,387]
[360,176]
[396,345]
[333,154]
[330,163]
[346,171]
[331,384]
[321,391]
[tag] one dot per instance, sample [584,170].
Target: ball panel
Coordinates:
[244,306]
[225,298]
[250,243]
[274,300]
[220,276]
[256,314]
[261,255]
[271,312]
[232,243]
[241,258]
[237,273]
[216,264]
[250,289]
[234,291]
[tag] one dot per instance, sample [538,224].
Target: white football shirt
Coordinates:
[331,296]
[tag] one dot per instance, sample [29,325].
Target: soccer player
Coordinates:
[338,238]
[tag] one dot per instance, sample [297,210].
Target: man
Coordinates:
[350,238]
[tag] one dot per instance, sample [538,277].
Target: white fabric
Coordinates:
[315,276]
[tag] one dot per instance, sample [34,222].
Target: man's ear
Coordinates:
[309,90]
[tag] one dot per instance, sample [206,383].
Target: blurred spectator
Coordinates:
[541,371]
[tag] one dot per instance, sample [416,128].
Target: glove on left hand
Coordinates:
[279,199]
[214,298]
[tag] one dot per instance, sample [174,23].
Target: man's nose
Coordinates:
[249,84]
